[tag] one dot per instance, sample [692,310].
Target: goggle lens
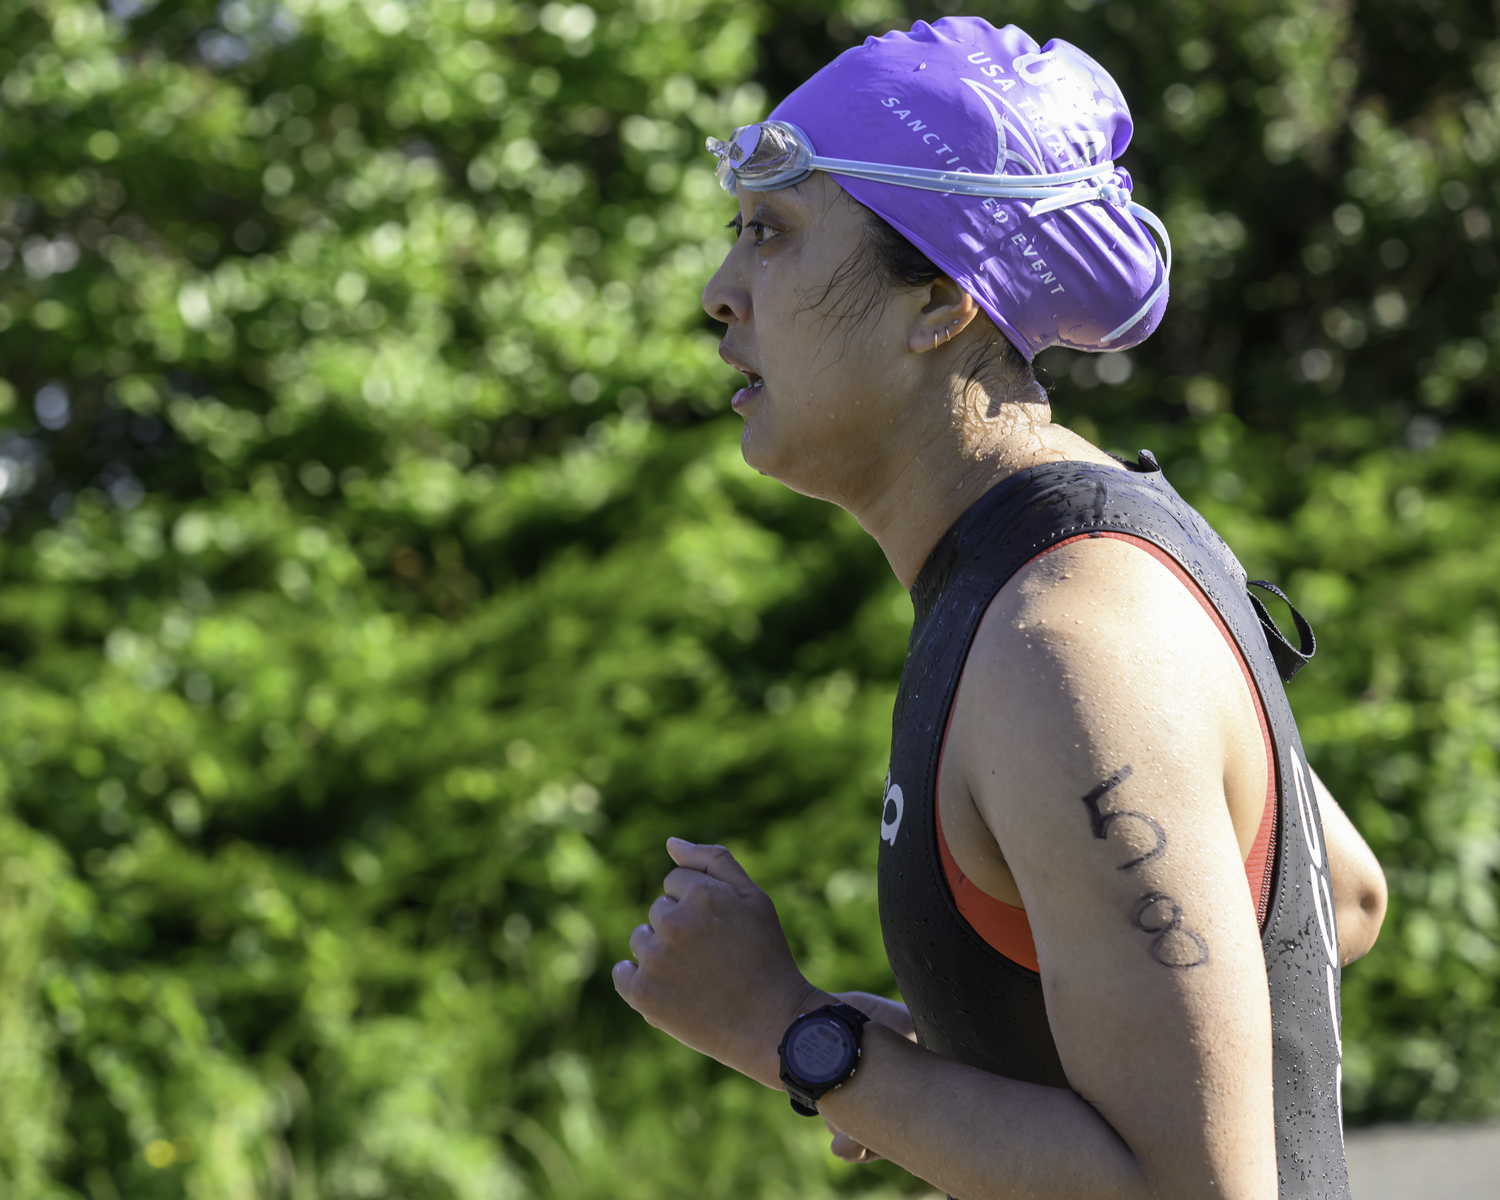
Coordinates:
[764,154]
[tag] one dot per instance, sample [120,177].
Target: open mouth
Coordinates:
[753,380]
[753,384]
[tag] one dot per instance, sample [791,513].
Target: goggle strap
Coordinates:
[1019,187]
[1149,219]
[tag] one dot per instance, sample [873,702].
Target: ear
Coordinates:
[947,313]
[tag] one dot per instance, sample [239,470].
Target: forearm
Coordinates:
[977,1135]
[714,970]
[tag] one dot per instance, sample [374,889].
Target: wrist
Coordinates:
[778,1017]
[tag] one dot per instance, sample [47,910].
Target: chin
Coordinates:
[756,450]
[761,451]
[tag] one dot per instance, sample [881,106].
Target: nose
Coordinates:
[726,298]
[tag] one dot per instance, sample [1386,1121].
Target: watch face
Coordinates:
[819,1050]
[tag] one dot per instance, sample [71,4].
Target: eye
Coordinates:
[762,232]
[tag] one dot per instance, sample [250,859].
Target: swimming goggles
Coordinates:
[776,154]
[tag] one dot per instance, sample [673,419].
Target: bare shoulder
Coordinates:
[1100,622]
[1090,591]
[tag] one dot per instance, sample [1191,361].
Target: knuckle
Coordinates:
[656,955]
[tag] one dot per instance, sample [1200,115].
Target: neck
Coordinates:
[924,492]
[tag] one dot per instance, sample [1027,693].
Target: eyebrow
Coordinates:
[767,211]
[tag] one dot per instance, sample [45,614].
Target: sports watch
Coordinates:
[820,1052]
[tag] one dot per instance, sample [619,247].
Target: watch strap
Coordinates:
[802,1104]
[846,1012]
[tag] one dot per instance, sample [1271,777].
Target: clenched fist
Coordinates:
[712,965]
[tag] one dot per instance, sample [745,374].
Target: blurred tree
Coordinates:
[382,583]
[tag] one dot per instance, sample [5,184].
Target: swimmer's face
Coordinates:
[826,347]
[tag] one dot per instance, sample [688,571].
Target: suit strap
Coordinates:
[1289,659]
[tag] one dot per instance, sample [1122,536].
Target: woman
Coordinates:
[1114,896]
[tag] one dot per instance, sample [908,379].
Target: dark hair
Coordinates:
[898,261]
[895,262]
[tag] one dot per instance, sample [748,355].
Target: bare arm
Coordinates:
[1359,893]
[1152,967]
[713,970]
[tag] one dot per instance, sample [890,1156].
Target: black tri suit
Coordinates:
[974,1005]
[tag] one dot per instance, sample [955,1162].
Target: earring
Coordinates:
[943,335]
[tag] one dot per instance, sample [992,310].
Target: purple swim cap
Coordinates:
[963,96]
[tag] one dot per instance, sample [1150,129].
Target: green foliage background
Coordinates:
[382,584]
